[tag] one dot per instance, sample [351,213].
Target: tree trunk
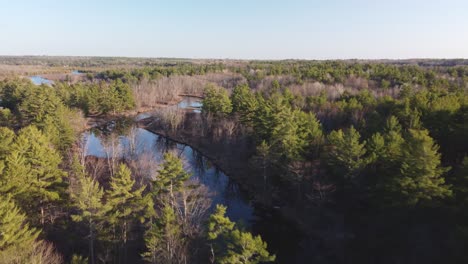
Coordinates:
[42,216]
[91,244]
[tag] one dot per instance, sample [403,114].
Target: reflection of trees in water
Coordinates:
[121,127]
[164,145]
[231,190]
[113,148]
[198,163]
[132,147]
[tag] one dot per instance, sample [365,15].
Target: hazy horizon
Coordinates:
[237,59]
[242,30]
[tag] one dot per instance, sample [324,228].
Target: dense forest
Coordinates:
[367,159]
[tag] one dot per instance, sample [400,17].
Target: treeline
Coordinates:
[157,72]
[385,75]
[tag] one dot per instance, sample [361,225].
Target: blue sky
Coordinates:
[244,29]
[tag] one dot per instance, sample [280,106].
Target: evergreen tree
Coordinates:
[6,139]
[88,198]
[32,169]
[216,101]
[421,172]
[285,137]
[269,114]
[171,175]
[231,245]
[38,104]
[247,249]
[345,154]
[15,176]
[164,239]
[309,130]
[14,229]
[126,205]
[244,103]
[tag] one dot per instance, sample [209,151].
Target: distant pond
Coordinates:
[39,80]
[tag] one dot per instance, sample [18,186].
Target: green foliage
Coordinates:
[268,116]
[164,238]
[171,175]
[346,153]
[38,104]
[6,139]
[76,259]
[219,224]
[421,172]
[88,198]
[216,101]
[42,107]
[32,173]
[98,98]
[14,229]
[126,201]
[116,97]
[244,102]
[232,245]
[246,248]
[295,133]
[6,117]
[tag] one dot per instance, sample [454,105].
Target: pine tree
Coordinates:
[126,205]
[154,244]
[218,223]
[88,198]
[14,230]
[285,136]
[346,152]
[164,239]
[32,168]
[421,172]
[216,101]
[309,130]
[244,103]
[269,114]
[263,159]
[171,175]
[231,245]
[246,249]
[6,139]
[15,175]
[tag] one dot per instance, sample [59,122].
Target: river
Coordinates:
[39,80]
[282,237]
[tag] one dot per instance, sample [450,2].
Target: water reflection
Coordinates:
[136,143]
[38,80]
